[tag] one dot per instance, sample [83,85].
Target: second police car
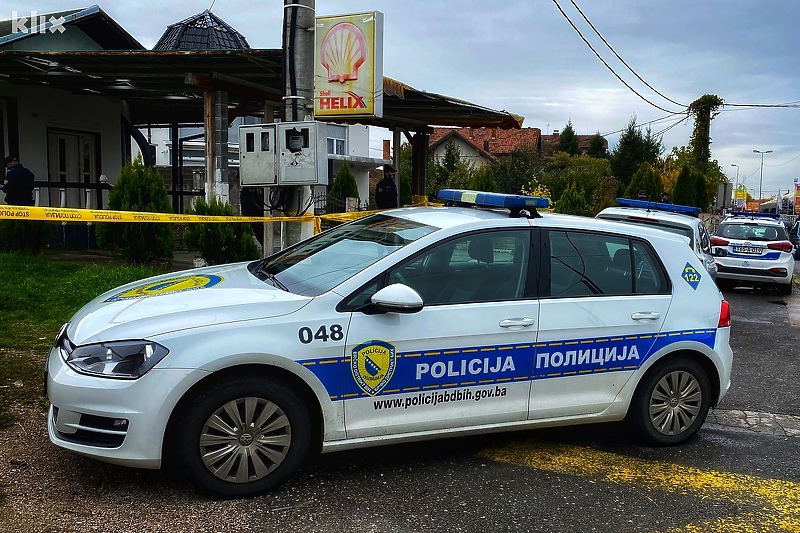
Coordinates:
[416,323]
[754,249]
[679,219]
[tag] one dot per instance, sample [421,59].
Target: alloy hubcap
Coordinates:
[675,402]
[245,440]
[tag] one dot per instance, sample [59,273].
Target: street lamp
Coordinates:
[761,180]
[736,186]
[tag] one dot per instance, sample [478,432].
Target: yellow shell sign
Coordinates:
[167,286]
[348,65]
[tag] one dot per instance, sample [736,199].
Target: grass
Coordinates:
[37,297]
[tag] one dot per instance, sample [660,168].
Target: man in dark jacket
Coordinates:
[386,189]
[18,183]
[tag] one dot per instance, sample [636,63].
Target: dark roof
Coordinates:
[92,21]
[161,86]
[204,31]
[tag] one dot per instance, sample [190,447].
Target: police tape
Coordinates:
[61,214]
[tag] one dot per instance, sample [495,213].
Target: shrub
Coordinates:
[139,188]
[25,235]
[344,186]
[220,242]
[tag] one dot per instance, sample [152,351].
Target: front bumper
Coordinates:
[113,420]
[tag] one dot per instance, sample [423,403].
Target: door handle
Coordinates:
[523,322]
[653,315]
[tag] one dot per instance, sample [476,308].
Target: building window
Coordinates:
[337,139]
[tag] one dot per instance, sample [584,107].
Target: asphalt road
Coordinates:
[583,479]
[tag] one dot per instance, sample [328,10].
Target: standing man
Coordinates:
[18,183]
[386,189]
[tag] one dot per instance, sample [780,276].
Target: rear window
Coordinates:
[752,232]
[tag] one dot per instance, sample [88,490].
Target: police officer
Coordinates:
[18,183]
[386,189]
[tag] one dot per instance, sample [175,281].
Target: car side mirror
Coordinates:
[397,298]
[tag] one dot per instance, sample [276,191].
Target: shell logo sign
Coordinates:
[348,65]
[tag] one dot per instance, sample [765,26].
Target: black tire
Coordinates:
[242,436]
[671,402]
[785,289]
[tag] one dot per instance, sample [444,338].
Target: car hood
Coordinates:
[182,300]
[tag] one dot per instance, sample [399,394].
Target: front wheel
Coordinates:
[242,437]
[671,402]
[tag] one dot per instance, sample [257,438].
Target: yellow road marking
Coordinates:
[778,501]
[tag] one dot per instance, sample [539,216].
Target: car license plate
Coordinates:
[747,250]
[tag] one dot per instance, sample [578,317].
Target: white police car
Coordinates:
[409,324]
[678,219]
[754,248]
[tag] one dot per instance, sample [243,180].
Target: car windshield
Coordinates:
[317,265]
[752,232]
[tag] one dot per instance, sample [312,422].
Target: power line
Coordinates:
[654,121]
[607,65]
[781,164]
[622,60]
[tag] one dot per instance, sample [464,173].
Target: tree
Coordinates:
[704,110]
[516,170]
[573,202]
[139,188]
[450,171]
[568,141]
[648,179]
[684,190]
[583,171]
[597,147]
[483,180]
[220,242]
[344,186]
[633,149]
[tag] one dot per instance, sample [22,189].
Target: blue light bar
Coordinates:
[661,206]
[754,214]
[493,199]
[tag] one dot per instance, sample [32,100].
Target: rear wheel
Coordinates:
[242,437]
[785,289]
[671,402]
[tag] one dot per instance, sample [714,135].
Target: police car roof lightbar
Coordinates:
[661,206]
[515,203]
[754,214]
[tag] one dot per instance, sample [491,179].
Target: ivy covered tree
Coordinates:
[568,141]
[633,149]
[139,188]
[704,110]
[344,186]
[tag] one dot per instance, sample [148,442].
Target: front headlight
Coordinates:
[116,359]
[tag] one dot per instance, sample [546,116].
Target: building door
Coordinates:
[71,159]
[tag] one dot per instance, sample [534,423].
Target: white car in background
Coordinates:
[415,323]
[754,249]
[678,219]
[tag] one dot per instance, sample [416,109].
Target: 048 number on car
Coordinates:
[324,333]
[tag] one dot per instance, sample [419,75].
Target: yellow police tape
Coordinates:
[60,214]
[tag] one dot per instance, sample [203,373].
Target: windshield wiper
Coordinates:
[263,274]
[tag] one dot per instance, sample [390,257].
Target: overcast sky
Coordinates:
[523,56]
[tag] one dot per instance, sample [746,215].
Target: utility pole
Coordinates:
[299,19]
